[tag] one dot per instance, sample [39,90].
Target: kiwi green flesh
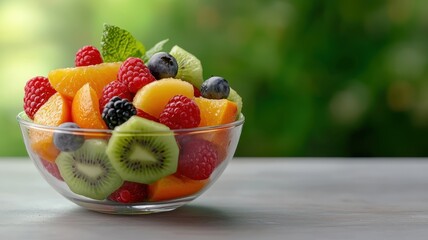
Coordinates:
[143,157]
[189,66]
[88,170]
[234,97]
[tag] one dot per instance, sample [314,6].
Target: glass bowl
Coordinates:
[164,192]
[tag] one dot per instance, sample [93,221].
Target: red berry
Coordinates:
[36,92]
[52,168]
[88,55]
[143,114]
[180,112]
[196,92]
[129,192]
[198,158]
[134,74]
[113,89]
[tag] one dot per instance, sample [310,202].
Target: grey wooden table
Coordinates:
[257,198]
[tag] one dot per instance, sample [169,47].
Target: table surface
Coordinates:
[256,198]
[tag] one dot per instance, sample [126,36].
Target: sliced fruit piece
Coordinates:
[153,97]
[234,97]
[68,81]
[216,111]
[52,168]
[222,142]
[146,155]
[172,187]
[85,109]
[54,112]
[88,171]
[189,67]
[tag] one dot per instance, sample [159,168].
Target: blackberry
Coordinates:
[117,111]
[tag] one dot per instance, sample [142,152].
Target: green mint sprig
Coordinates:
[118,44]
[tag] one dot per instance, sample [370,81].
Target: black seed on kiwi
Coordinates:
[88,171]
[140,155]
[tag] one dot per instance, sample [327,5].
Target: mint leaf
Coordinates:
[118,44]
[156,48]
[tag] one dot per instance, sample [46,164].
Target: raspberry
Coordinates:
[88,55]
[129,192]
[113,89]
[134,74]
[117,111]
[37,91]
[198,158]
[180,112]
[143,114]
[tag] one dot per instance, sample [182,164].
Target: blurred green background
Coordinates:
[318,78]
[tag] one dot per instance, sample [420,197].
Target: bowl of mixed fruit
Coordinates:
[128,130]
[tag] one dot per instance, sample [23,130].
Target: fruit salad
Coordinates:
[130,92]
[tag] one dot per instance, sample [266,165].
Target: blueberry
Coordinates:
[163,65]
[215,88]
[65,140]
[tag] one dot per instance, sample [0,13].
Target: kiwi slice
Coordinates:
[234,97]
[189,67]
[143,151]
[88,171]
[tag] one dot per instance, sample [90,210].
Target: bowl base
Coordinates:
[131,208]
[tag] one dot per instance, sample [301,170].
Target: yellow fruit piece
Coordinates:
[68,81]
[85,109]
[216,111]
[54,112]
[153,97]
[172,187]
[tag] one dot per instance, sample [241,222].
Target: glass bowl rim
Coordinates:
[25,121]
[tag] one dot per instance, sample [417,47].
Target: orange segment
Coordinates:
[216,111]
[153,97]
[85,109]
[54,112]
[68,81]
[172,187]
